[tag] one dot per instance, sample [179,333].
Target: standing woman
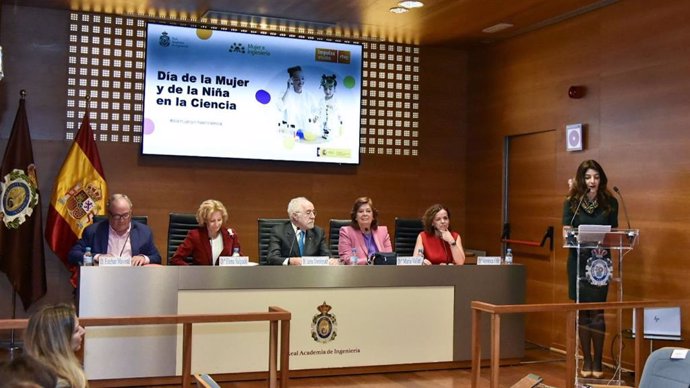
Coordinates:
[52,337]
[210,240]
[589,202]
[439,244]
[364,234]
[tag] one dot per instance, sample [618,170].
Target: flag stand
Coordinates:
[12,347]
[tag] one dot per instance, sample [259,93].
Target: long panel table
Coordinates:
[342,316]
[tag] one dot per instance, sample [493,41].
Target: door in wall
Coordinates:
[533,200]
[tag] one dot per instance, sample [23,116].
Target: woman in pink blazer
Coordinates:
[363,237]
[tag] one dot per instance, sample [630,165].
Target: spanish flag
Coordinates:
[80,192]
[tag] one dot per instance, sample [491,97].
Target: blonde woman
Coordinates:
[210,240]
[53,336]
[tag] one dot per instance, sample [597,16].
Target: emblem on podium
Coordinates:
[599,268]
[323,326]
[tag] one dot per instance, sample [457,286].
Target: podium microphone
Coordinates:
[625,209]
[578,206]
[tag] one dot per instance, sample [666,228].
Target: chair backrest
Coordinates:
[662,371]
[406,232]
[265,226]
[142,219]
[178,226]
[334,234]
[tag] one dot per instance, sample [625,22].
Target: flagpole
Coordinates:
[13,348]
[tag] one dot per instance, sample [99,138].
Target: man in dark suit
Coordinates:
[297,237]
[118,237]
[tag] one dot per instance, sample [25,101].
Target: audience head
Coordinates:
[52,336]
[364,215]
[213,215]
[436,217]
[26,372]
[301,213]
[119,212]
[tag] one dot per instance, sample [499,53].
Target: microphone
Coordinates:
[292,244]
[625,209]
[578,206]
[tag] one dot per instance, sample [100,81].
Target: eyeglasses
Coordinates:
[118,217]
[308,213]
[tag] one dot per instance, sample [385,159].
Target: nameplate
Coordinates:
[410,260]
[115,262]
[489,260]
[315,260]
[232,261]
[679,354]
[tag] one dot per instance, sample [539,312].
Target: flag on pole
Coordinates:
[80,192]
[21,246]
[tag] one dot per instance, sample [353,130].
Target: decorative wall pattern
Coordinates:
[107,60]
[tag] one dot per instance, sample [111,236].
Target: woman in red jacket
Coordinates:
[210,240]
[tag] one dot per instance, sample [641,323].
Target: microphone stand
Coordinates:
[631,235]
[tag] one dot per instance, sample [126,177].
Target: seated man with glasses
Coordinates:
[297,237]
[119,236]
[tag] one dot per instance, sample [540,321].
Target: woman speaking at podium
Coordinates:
[589,202]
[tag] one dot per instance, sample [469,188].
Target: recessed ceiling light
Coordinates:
[410,4]
[399,10]
[497,27]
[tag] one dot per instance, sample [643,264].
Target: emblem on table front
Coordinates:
[599,268]
[323,326]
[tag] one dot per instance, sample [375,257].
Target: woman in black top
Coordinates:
[589,202]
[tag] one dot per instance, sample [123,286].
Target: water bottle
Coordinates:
[353,257]
[509,256]
[87,260]
[235,252]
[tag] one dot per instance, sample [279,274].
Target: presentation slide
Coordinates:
[250,96]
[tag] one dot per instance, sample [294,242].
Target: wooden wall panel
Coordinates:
[400,186]
[631,57]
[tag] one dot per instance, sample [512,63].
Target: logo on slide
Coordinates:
[237,48]
[323,326]
[164,40]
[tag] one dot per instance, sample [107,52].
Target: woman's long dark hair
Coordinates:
[579,188]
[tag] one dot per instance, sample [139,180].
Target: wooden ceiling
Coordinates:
[453,23]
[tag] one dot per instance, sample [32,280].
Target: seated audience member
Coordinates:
[363,234]
[26,372]
[210,240]
[439,244]
[298,237]
[120,236]
[52,336]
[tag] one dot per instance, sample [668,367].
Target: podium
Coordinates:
[606,249]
